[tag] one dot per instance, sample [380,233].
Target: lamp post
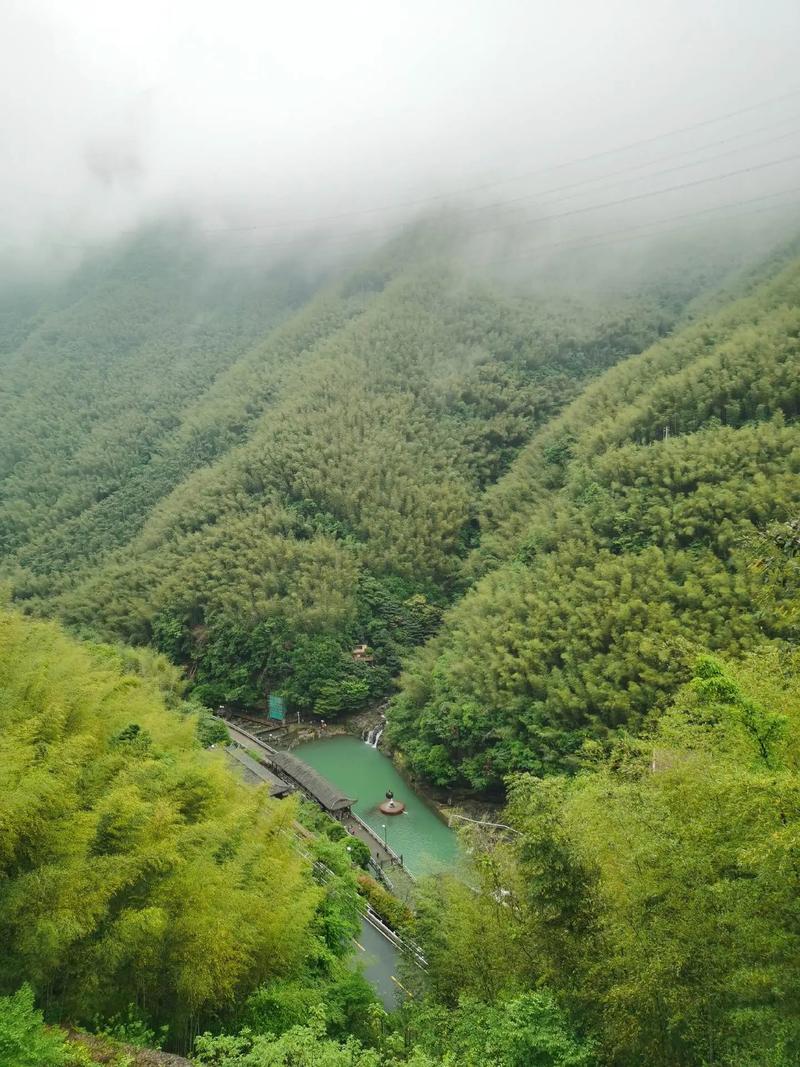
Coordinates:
[385,842]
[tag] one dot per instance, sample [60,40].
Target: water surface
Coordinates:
[426,843]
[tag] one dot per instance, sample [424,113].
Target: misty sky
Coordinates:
[269,114]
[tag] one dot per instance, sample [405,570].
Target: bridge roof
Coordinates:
[330,796]
[277,787]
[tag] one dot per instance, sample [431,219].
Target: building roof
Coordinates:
[330,796]
[277,786]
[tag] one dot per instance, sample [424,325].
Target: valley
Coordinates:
[548,530]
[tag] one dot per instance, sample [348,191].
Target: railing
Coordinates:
[381,874]
[367,912]
[395,856]
[408,948]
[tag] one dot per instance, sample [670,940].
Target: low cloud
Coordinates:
[273,120]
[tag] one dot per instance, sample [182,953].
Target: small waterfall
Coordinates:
[374,735]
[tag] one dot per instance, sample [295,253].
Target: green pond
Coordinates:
[425,842]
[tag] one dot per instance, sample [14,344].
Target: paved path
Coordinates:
[402,883]
[400,880]
[380,960]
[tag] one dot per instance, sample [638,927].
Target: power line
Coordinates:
[581,210]
[519,177]
[644,196]
[609,236]
[597,239]
[516,224]
[499,204]
[669,156]
[655,174]
[516,200]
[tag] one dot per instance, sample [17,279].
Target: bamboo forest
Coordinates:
[400,537]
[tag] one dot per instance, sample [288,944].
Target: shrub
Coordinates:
[393,911]
[24,1041]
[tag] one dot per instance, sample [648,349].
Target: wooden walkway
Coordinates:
[398,878]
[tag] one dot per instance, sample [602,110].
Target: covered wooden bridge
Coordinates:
[313,784]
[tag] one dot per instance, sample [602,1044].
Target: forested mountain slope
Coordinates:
[654,893]
[618,538]
[256,465]
[312,489]
[105,370]
[134,866]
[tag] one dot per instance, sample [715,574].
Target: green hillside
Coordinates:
[102,373]
[133,865]
[563,517]
[620,538]
[308,489]
[256,466]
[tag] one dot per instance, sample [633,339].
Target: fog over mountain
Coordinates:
[424,375]
[345,120]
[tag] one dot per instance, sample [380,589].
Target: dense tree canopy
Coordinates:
[134,868]
[655,893]
[314,486]
[579,509]
[621,530]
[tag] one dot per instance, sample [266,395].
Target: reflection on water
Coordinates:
[426,843]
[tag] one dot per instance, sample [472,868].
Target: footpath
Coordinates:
[398,879]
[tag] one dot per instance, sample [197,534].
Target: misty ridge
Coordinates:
[415,390]
[326,134]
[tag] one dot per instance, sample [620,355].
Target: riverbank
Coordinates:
[445,802]
[420,835]
[313,728]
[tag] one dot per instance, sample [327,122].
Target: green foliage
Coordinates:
[359,851]
[625,526]
[24,1041]
[310,484]
[719,696]
[249,472]
[135,869]
[393,911]
[129,1028]
[324,677]
[526,1031]
[336,921]
[210,729]
[317,821]
[137,336]
[301,1046]
[776,561]
[655,894]
[345,1000]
